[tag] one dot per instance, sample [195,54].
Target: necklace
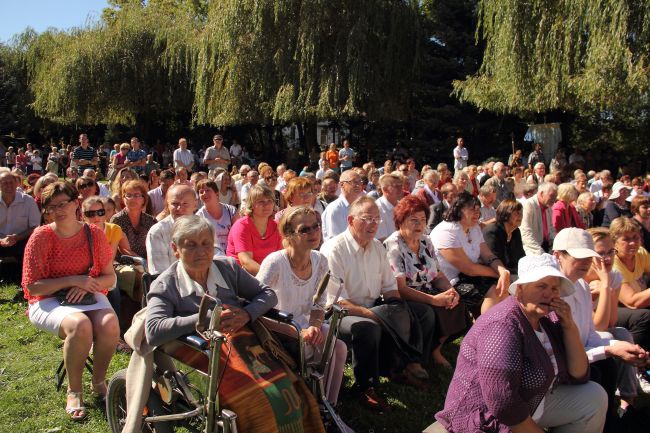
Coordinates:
[297,268]
[469,239]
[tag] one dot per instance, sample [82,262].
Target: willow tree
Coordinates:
[578,55]
[107,72]
[301,60]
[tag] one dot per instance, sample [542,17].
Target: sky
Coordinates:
[17,15]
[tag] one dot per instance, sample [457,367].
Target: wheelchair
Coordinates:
[187,395]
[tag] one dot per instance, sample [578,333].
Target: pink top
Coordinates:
[49,256]
[244,237]
[566,216]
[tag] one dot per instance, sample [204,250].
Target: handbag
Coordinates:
[89,298]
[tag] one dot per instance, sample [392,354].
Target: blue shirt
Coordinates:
[135,156]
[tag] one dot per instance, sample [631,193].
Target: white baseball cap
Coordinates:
[577,242]
[533,268]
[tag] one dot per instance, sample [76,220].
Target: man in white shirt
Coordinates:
[358,261]
[574,250]
[181,200]
[392,192]
[487,196]
[252,177]
[335,217]
[19,216]
[460,154]
[236,153]
[183,158]
[157,195]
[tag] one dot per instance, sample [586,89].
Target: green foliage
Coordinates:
[579,55]
[291,60]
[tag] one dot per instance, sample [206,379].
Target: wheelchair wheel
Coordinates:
[116,407]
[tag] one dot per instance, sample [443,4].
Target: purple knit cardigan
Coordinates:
[502,371]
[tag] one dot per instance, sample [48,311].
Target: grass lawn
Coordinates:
[29,401]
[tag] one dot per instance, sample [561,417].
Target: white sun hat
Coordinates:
[577,242]
[533,268]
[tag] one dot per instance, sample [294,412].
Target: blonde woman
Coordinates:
[294,273]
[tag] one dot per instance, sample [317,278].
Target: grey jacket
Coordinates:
[170,315]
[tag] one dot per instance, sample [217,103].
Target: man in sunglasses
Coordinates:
[19,216]
[216,156]
[378,325]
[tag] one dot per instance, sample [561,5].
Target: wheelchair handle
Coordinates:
[321,288]
[204,307]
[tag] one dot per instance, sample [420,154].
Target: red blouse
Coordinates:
[49,256]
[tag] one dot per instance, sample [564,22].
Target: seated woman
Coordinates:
[255,235]
[294,274]
[172,311]
[220,215]
[585,205]
[59,256]
[465,258]
[633,262]
[564,213]
[227,191]
[522,367]
[504,238]
[123,175]
[605,286]
[413,262]
[298,192]
[640,208]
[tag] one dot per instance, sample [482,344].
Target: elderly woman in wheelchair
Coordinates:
[245,371]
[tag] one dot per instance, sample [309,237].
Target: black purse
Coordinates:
[89,298]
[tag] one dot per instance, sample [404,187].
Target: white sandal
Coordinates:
[76,406]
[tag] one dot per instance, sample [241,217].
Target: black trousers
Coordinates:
[373,350]
[604,373]
[637,322]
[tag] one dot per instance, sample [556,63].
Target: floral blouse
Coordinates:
[420,270]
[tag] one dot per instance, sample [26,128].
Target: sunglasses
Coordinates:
[305,230]
[94,213]
[86,185]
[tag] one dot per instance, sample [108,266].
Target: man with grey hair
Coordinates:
[392,191]
[103,189]
[500,184]
[378,325]
[335,216]
[487,195]
[537,231]
[181,200]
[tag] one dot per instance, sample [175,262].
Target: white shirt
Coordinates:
[184,156]
[365,272]
[235,150]
[244,192]
[335,218]
[159,251]
[22,214]
[103,190]
[460,152]
[387,225]
[187,286]
[157,200]
[581,308]
[451,235]
[294,294]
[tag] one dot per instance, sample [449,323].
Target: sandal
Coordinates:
[100,390]
[74,406]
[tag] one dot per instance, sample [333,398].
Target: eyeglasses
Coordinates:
[305,230]
[136,195]
[85,185]
[353,182]
[609,254]
[271,178]
[370,220]
[56,207]
[94,213]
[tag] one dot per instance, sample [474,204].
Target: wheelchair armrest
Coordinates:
[195,341]
[279,315]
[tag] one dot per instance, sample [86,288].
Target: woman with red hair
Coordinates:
[419,279]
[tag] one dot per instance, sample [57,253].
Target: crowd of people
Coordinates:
[546,275]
